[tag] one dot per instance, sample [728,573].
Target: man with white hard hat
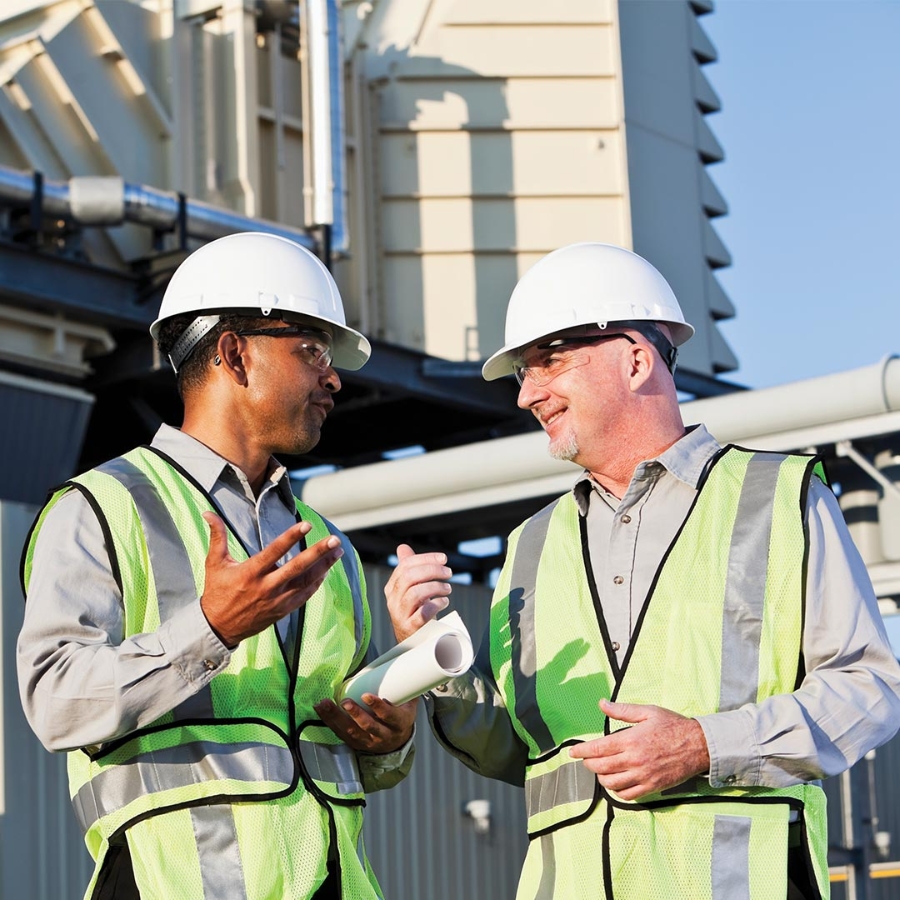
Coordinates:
[189,621]
[683,645]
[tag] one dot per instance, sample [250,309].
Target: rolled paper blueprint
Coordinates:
[439,650]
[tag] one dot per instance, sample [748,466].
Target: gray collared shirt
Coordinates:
[80,680]
[848,703]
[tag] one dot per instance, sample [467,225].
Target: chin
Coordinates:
[564,448]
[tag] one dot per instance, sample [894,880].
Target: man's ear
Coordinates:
[231,351]
[641,361]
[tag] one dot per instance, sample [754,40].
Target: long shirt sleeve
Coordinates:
[847,703]
[82,682]
[849,699]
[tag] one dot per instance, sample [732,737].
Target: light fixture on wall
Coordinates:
[480,813]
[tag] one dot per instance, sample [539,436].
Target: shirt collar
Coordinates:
[206,467]
[687,459]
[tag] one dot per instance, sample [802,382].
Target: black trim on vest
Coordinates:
[442,737]
[804,575]
[802,878]
[104,527]
[308,782]
[571,742]
[115,880]
[595,596]
[683,800]
[23,555]
[196,485]
[606,854]
[115,744]
[813,460]
[612,805]
[643,613]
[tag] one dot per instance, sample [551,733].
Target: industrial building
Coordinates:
[430,153]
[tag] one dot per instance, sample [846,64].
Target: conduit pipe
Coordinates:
[789,416]
[109,201]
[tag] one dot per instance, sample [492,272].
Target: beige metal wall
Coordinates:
[498,136]
[501,130]
[480,135]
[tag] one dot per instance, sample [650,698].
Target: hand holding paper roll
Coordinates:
[440,649]
[417,590]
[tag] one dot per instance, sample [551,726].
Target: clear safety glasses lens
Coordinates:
[552,359]
[316,346]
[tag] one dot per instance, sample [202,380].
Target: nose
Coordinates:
[530,393]
[330,380]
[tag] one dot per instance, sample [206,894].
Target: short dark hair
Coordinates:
[193,371]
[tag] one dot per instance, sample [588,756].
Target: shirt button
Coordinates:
[616,645]
[626,519]
[618,579]
[731,779]
[442,688]
[209,665]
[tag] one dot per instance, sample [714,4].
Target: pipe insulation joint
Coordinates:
[97,199]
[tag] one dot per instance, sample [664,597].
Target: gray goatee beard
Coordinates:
[565,448]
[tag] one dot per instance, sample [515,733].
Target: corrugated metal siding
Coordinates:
[42,854]
[419,840]
[41,439]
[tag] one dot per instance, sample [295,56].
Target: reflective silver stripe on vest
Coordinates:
[173,573]
[731,858]
[221,872]
[745,585]
[178,767]
[521,620]
[348,560]
[548,868]
[334,763]
[570,783]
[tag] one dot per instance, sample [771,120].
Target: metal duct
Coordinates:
[109,201]
[326,113]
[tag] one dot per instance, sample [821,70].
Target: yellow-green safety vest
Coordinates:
[721,627]
[189,781]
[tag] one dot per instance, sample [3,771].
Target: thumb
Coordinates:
[624,712]
[218,540]
[404,551]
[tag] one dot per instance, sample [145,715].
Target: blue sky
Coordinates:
[810,125]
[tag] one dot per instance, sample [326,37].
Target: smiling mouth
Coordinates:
[549,420]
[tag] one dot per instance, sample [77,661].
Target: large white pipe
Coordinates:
[504,469]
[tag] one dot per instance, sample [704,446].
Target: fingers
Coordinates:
[382,728]
[626,712]
[323,553]
[218,538]
[417,590]
[267,558]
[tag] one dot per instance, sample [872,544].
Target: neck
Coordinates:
[225,436]
[615,470]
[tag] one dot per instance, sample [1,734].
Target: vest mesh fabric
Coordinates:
[676,848]
[268,848]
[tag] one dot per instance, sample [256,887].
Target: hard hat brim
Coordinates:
[350,348]
[501,363]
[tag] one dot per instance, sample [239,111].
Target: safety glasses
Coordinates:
[548,361]
[315,350]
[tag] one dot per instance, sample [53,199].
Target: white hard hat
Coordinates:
[259,274]
[584,284]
